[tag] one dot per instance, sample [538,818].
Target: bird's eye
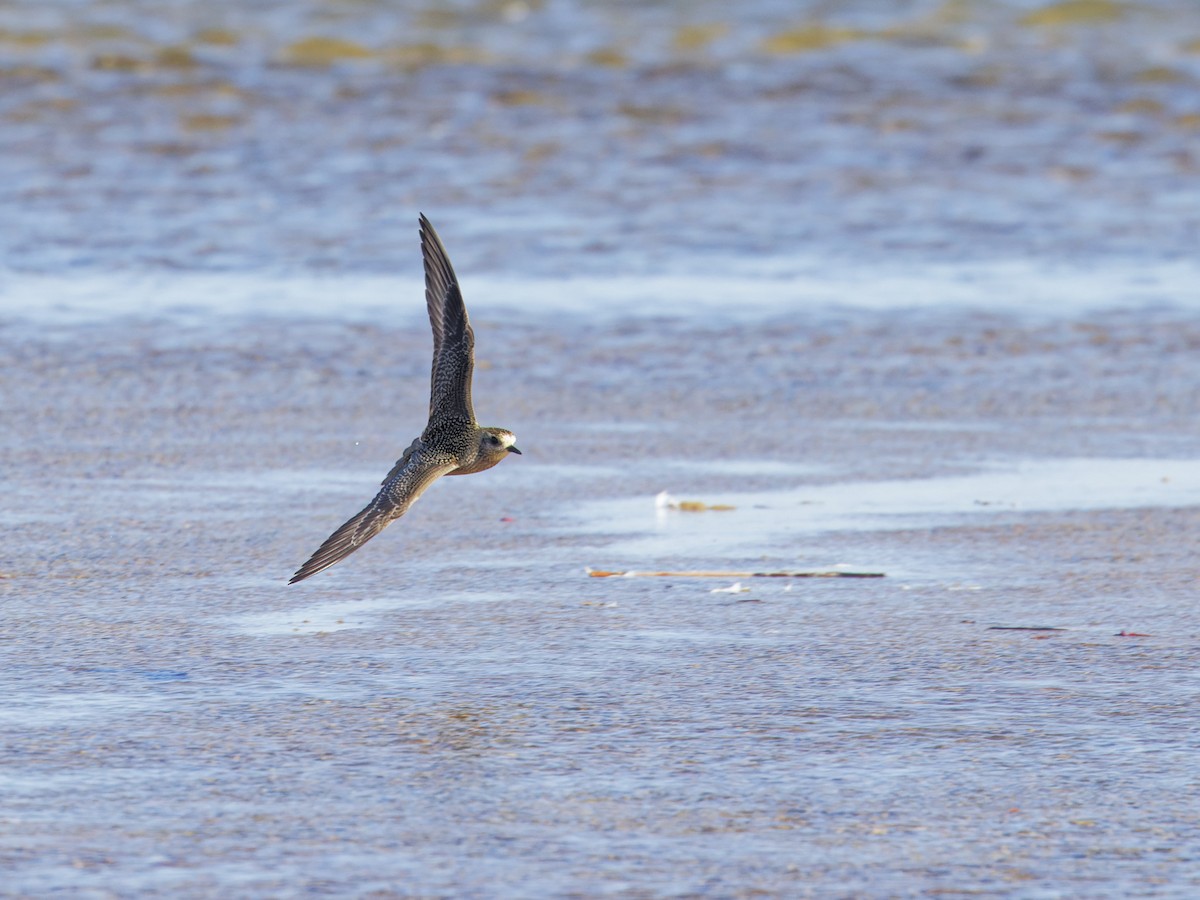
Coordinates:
[493,440]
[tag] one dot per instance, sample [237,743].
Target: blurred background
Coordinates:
[556,137]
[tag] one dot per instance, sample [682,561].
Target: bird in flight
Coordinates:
[453,443]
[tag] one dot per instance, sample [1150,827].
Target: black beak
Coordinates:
[514,450]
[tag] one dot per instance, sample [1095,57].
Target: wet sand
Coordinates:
[457,709]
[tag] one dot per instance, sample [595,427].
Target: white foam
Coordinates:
[742,288]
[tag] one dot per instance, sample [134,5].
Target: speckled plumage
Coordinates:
[452,442]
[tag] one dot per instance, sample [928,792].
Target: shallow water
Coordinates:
[759,289]
[748,520]
[566,138]
[911,286]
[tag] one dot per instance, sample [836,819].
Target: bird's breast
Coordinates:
[477,465]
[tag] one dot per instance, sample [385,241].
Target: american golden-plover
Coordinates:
[453,443]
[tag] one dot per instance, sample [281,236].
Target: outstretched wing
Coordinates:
[393,500]
[453,339]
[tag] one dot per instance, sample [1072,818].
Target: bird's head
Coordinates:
[496,443]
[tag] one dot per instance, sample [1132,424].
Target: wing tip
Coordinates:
[337,547]
[319,562]
[431,244]
[312,567]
